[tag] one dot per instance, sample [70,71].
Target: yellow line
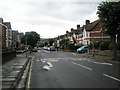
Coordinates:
[29,76]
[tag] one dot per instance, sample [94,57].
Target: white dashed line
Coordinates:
[37,60]
[82,66]
[103,63]
[49,59]
[111,77]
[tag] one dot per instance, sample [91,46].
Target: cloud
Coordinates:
[49,18]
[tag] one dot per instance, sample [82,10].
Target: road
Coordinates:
[69,70]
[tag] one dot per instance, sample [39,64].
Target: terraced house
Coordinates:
[88,33]
[10,39]
[3,29]
[93,32]
[8,34]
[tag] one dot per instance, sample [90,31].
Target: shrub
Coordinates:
[70,46]
[104,44]
[110,46]
[90,45]
[96,45]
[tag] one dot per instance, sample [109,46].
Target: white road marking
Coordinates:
[82,66]
[77,59]
[43,60]
[50,65]
[37,60]
[46,67]
[103,63]
[49,59]
[111,77]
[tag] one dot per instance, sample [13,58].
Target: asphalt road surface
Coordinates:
[69,70]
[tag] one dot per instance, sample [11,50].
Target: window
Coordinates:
[87,34]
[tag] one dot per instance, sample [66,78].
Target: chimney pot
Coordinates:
[1,20]
[78,26]
[67,32]
[87,22]
[72,29]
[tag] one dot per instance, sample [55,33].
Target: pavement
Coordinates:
[11,70]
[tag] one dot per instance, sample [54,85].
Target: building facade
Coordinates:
[3,29]
[93,32]
[8,34]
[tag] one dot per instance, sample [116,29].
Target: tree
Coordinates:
[109,13]
[51,41]
[31,37]
[64,43]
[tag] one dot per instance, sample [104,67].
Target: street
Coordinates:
[52,69]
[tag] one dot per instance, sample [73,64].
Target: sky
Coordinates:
[49,18]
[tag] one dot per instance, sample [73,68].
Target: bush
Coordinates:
[104,44]
[90,45]
[110,46]
[70,46]
[96,45]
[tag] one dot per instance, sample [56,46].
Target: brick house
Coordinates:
[75,35]
[93,32]
[78,35]
[8,34]
[15,38]
[3,29]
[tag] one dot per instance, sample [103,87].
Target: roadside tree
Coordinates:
[31,38]
[109,13]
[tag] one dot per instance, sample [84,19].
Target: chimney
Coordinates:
[72,29]
[87,22]
[67,32]
[1,20]
[78,26]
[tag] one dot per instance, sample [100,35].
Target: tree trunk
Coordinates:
[114,52]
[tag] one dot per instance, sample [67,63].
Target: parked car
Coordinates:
[20,51]
[52,48]
[45,48]
[34,49]
[39,48]
[82,49]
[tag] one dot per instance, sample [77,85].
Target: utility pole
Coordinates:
[26,45]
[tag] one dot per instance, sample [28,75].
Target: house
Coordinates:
[3,29]
[78,35]
[75,36]
[15,38]
[93,32]
[8,34]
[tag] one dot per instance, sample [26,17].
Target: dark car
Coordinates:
[82,49]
